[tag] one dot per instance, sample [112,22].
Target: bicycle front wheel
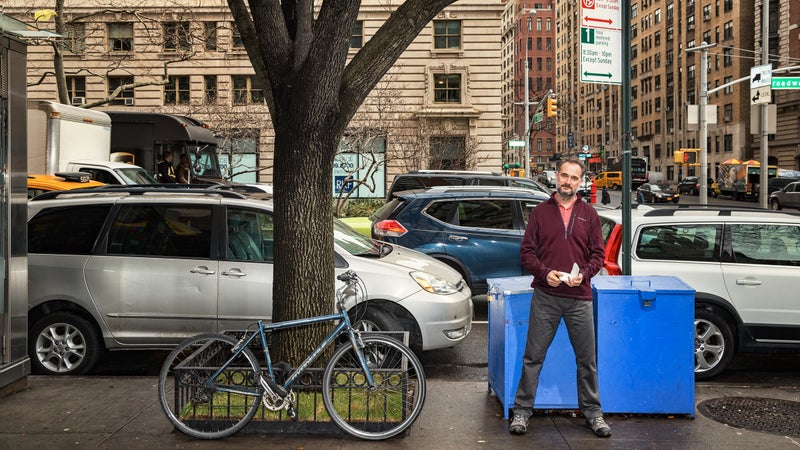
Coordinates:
[391,406]
[209,410]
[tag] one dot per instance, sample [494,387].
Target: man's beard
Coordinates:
[566,194]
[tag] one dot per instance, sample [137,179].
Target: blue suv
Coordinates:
[475,229]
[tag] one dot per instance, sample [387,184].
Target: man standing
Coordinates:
[562,232]
[166,171]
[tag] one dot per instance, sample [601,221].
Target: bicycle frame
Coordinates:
[263,329]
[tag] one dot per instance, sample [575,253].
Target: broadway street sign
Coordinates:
[785,82]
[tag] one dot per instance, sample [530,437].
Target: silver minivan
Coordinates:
[116,271]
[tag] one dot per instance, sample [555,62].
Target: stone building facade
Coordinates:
[439,107]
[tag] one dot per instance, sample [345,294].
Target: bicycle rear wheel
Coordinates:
[209,412]
[392,406]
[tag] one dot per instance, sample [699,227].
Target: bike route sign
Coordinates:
[601,41]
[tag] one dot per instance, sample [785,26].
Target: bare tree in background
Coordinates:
[167,30]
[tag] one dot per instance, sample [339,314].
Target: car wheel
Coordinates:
[63,344]
[615,186]
[675,200]
[713,344]
[694,192]
[374,318]
[775,204]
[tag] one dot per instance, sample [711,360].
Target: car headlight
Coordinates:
[433,284]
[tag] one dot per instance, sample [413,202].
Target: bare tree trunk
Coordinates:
[304,227]
[58,58]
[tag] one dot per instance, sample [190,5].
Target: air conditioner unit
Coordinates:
[727,118]
[129,102]
[78,100]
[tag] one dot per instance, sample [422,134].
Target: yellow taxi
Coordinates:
[40,183]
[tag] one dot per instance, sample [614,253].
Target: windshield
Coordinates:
[354,242]
[136,175]
[205,162]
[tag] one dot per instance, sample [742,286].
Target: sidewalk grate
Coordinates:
[767,415]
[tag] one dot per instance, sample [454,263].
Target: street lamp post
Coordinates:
[527,163]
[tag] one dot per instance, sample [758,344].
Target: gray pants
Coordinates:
[546,313]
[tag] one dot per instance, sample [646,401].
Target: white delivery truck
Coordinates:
[64,138]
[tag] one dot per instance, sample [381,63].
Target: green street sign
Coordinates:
[516,143]
[537,117]
[785,82]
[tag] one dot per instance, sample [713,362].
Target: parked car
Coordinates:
[421,179]
[691,186]
[688,185]
[548,178]
[788,197]
[40,183]
[777,183]
[743,263]
[475,229]
[155,269]
[657,193]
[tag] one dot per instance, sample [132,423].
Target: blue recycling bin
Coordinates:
[645,344]
[509,311]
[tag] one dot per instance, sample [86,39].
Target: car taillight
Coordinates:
[389,228]
[613,246]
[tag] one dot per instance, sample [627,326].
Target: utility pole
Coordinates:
[703,120]
[763,195]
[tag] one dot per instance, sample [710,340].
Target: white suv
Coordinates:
[743,263]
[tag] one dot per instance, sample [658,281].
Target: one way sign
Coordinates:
[760,95]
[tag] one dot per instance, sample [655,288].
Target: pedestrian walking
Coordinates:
[606,197]
[562,248]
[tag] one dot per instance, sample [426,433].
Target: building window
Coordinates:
[727,57]
[727,145]
[727,31]
[448,153]
[210,36]
[210,89]
[120,37]
[728,112]
[74,38]
[357,35]
[176,91]
[728,89]
[115,83]
[446,34]
[447,88]
[245,92]
[176,37]
[236,38]
[728,5]
[76,87]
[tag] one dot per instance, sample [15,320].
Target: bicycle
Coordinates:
[212,385]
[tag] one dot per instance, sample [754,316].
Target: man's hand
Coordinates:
[552,278]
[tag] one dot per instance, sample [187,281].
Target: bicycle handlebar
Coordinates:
[347,277]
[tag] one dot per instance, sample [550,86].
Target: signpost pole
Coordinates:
[763,194]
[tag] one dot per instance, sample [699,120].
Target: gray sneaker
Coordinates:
[519,424]
[598,426]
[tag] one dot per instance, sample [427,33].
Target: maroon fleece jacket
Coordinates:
[547,246]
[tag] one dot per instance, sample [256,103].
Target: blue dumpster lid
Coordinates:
[627,283]
[510,285]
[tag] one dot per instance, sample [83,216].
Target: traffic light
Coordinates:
[686,157]
[552,107]
[677,157]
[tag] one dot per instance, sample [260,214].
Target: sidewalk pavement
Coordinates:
[124,413]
